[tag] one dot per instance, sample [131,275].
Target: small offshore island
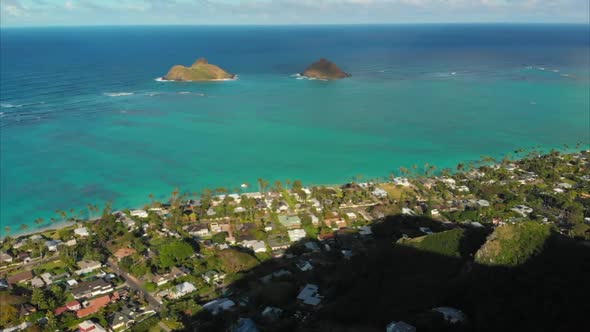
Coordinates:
[200,71]
[324,69]
[454,248]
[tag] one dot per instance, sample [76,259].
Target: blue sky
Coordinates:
[151,12]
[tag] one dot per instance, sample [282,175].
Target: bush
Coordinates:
[444,243]
[150,286]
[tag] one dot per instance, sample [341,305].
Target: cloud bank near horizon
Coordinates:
[139,12]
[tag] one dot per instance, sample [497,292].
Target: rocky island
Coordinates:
[324,70]
[201,70]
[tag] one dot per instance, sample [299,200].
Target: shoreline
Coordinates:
[16,233]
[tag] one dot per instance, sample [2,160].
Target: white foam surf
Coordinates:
[118,94]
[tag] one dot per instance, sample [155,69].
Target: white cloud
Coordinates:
[69,5]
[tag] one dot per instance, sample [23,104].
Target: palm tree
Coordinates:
[460,167]
[39,221]
[151,197]
[7,229]
[24,227]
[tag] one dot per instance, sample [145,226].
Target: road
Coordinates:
[135,284]
[9,268]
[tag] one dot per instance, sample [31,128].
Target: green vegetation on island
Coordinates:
[201,70]
[513,245]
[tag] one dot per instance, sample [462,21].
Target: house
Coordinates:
[451,315]
[268,227]
[336,223]
[73,305]
[483,203]
[399,181]
[214,227]
[198,230]
[296,234]
[304,265]
[449,182]
[87,266]
[278,243]
[47,278]
[139,213]
[256,246]
[213,276]
[314,219]
[5,257]
[51,245]
[120,321]
[70,306]
[124,252]
[379,193]
[219,305]
[95,305]
[522,210]
[309,295]
[211,212]
[182,290]
[239,209]
[399,327]
[90,326]
[37,282]
[81,231]
[20,277]
[290,222]
[172,275]
[350,215]
[463,189]
[24,257]
[91,288]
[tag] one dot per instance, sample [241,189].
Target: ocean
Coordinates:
[84,120]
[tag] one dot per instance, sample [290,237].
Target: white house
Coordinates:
[449,182]
[139,213]
[87,266]
[379,193]
[81,231]
[256,246]
[219,305]
[88,325]
[183,289]
[522,210]
[463,189]
[399,181]
[296,234]
[351,215]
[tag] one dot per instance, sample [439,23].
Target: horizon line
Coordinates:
[296,24]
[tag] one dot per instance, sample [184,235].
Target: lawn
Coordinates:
[394,191]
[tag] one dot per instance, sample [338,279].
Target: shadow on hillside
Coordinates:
[384,282]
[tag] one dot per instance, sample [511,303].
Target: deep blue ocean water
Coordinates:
[83,119]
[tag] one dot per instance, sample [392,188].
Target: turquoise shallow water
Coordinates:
[418,94]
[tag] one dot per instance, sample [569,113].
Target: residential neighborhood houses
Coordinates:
[188,254]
